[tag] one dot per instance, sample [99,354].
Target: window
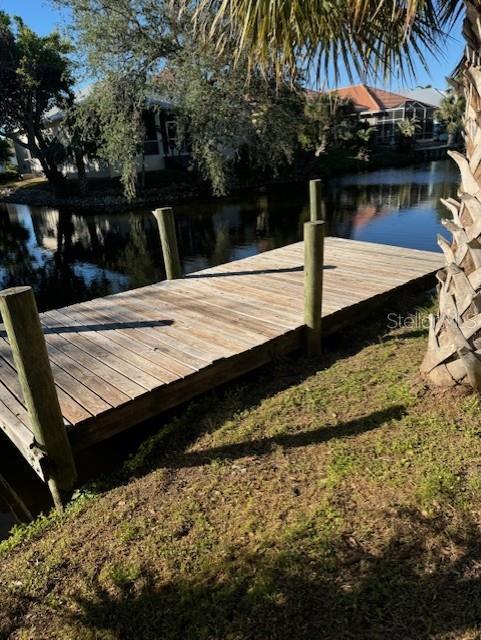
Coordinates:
[151,144]
[148,118]
[171,129]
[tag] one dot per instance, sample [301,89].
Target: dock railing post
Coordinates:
[316,202]
[313,265]
[24,332]
[168,239]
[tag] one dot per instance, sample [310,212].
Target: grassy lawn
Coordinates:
[337,499]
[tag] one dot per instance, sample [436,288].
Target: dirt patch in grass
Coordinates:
[335,499]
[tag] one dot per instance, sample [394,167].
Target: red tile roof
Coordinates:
[388,99]
[361,96]
[367,98]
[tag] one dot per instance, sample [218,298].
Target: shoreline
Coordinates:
[113,201]
[112,198]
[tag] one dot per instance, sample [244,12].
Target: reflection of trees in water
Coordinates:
[196,235]
[58,281]
[354,205]
[129,243]
[17,267]
[123,244]
[51,275]
[211,233]
[85,256]
[140,256]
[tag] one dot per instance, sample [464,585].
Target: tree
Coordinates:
[329,122]
[270,32]
[224,121]
[5,151]
[78,139]
[35,76]
[454,354]
[113,114]
[140,49]
[406,130]
[450,113]
[365,137]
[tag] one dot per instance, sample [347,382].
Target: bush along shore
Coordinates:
[335,499]
[101,195]
[172,186]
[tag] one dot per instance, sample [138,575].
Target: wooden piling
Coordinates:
[316,201]
[22,323]
[313,263]
[168,239]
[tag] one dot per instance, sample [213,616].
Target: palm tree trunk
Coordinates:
[454,348]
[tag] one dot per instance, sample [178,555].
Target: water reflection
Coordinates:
[69,257]
[396,206]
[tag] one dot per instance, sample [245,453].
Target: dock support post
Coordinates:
[168,239]
[315,201]
[313,265]
[22,323]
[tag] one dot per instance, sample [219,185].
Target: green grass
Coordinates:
[332,499]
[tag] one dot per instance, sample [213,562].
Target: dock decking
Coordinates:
[124,358]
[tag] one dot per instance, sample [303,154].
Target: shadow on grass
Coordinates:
[165,439]
[290,440]
[424,583]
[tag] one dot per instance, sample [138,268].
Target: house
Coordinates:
[428,95]
[161,148]
[384,110]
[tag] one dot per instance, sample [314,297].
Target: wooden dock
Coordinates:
[124,358]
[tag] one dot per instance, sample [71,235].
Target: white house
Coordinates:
[161,145]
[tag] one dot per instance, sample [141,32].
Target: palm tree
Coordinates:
[366,36]
[450,113]
[374,36]
[406,133]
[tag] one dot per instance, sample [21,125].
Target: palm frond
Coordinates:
[367,36]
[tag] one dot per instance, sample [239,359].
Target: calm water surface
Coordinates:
[69,257]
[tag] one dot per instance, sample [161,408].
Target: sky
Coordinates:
[40,16]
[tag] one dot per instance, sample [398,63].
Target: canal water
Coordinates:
[69,257]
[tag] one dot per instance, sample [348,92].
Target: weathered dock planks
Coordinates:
[124,358]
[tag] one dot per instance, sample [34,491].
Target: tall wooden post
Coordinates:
[313,265]
[22,323]
[316,201]
[168,239]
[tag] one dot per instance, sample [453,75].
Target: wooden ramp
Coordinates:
[124,358]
